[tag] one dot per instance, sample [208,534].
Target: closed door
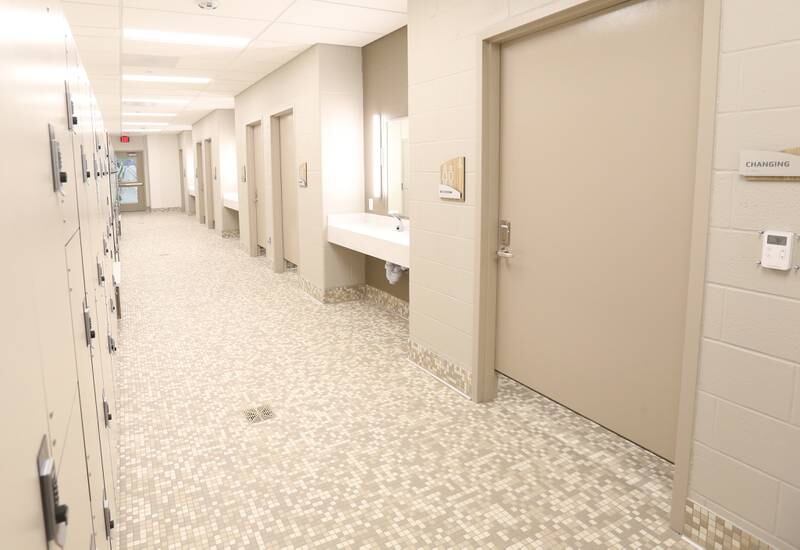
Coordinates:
[200,185]
[598,135]
[291,237]
[131,187]
[210,175]
[183,179]
[258,177]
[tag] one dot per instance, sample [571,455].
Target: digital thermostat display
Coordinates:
[776,250]
[777,239]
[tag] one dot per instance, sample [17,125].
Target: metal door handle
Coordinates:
[505,253]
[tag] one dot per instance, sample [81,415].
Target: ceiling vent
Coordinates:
[208,5]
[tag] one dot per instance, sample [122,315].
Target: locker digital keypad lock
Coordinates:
[56,514]
[56,163]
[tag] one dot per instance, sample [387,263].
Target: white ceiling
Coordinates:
[272,32]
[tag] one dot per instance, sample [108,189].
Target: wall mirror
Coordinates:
[395,164]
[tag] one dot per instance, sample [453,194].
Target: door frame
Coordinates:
[487,214]
[145,187]
[210,175]
[278,261]
[250,161]
[200,184]
[182,168]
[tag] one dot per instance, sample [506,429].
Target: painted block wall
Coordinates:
[294,86]
[746,459]
[322,87]
[218,126]
[747,447]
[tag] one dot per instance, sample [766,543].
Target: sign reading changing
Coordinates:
[770,165]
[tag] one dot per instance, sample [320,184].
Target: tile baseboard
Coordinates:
[708,530]
[332,295]
[445,370]
[386,301]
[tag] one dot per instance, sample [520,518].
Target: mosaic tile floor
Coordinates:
[364,449]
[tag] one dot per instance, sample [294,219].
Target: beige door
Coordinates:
[210,176]
[291,237]
[598,132]
[183,179]
[258,177]
[200,187]
[131,188]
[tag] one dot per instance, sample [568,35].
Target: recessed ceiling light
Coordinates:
[155,100]
[209,5]
[138,123]
[150,114]
[165,78]
[190,38]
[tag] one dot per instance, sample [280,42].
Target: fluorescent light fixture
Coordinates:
[188,38]
[160,115]
[137,123]
[166,78]
[134,130]
[156,100]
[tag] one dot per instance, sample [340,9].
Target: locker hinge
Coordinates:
[84,166]
[72,120]
[56,162]
[106,411]
[107,516]
[87,324]
[101,278]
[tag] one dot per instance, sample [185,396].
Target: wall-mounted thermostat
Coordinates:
[777,250]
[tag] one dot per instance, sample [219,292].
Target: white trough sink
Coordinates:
[372,235]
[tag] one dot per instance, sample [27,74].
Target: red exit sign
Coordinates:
[124,139]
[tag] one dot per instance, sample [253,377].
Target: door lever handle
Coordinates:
[505,252]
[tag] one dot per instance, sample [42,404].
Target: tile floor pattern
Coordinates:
[364,451]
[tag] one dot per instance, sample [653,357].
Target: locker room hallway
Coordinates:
[363,447]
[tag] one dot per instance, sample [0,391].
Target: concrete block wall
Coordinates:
[746,459]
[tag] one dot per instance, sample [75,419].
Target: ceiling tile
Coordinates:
[92,15]
[389,5]
[342,17]
[262,10]
[304,34]
[202,24]
[78,30]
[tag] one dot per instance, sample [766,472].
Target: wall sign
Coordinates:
[770,165]
[451,179]
[124,139]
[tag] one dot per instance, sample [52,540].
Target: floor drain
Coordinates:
[258,414]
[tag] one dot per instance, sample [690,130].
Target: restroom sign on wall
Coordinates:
[770,165]
[451,179]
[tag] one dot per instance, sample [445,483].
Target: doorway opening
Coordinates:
[183,179]
[200,186]
[284,192]
[258,201]
[209,172]
[131,182]
[593,218]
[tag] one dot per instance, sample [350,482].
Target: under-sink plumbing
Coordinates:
[394,272]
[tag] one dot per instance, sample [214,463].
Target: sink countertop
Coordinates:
[371,234]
